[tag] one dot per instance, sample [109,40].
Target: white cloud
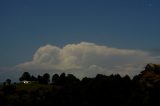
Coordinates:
[87,59]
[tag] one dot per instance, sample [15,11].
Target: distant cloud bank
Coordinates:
[87,59]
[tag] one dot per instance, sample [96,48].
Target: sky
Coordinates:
[27,26]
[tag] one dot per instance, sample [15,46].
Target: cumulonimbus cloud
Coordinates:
[87,59]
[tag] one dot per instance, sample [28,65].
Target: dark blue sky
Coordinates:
[26,25]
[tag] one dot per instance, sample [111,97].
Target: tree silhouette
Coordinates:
[25,76]
[40,79]
[8,81]
[71,80]
[46,78]
[55,79]
[62,79]
[33,78]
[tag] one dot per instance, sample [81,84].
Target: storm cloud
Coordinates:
[87,59]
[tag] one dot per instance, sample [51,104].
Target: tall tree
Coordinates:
[40,79]
[62,79]
[25,76]
[55,79]
[46,78]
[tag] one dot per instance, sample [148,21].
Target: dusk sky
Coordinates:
[32,29]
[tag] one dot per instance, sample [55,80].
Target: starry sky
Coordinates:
[26,25]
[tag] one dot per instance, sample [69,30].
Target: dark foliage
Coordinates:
[45,79]
[25,76]
[67,90]
[8,81]
[55,79]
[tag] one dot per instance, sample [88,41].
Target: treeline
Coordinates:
[45,78]
[67,90]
